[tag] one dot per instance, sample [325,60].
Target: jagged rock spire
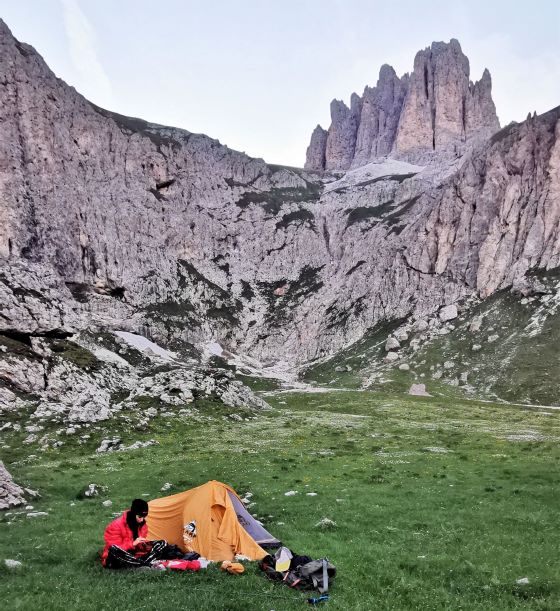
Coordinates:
[434,111]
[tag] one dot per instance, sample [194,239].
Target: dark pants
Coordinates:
[119,558]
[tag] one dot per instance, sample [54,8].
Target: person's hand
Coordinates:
[138,541]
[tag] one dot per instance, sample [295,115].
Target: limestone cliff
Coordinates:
[113,223]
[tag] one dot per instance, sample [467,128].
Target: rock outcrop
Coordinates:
[436,111]
[11,495]
[315,156]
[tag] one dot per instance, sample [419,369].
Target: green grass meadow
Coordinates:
[438,504]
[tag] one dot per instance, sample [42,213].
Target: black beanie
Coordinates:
[138,507]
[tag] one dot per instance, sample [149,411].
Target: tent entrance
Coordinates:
[254,528]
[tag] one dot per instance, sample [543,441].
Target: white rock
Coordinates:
[392,343]
[475,325]
[166,486]
[523,581]
[390,357]
[310,494]
[37,514]
[404,367]
[107,503]
[325,523]
[290,493]
[13,564]
[92,490]
[448,365]
[419,390]
[420,326]
[476,347]
[448,313]
[493,338]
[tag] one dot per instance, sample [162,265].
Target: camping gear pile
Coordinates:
[211,523]
[299,572]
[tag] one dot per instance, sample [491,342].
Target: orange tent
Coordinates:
[210,520]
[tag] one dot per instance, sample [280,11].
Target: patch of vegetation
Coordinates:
[76,354]
[17,345]
[279,306]
[404,206]
[247,291]
[273,200]
[171,308]
[357,357]
[222,313]
[80,291]
[504,132]
[298,217]
[440,508]
[259,384]
[365,213]
[336,317]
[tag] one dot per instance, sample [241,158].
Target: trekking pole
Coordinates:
[320,599]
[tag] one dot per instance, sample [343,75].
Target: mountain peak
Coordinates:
[433,112]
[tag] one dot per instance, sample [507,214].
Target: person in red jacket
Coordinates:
[126,545]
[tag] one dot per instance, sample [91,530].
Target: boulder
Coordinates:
[418,390]
[12,564]
[11,495]
[448,312]
[401,335]
[392,343]
[475,325]
[420,326]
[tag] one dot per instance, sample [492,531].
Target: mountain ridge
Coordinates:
[113,223]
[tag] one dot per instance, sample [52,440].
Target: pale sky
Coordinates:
[259,75]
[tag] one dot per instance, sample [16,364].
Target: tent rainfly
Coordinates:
[210,520]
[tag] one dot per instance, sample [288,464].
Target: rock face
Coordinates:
[379,119]
[341,139]
[315,157]
[434,111]
[11,495]
[111,223]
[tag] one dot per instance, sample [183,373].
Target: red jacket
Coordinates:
[118,532]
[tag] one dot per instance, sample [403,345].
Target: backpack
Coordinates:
[307,575]
[316,574]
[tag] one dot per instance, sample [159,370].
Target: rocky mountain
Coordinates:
[111,224]
[434,111]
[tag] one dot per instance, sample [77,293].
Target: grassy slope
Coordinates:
[416,529]
[521,366]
